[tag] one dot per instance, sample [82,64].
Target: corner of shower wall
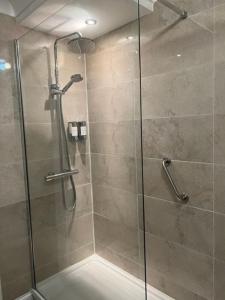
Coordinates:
[113,103]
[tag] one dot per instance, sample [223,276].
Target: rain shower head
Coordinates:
[82,45]
[74,78]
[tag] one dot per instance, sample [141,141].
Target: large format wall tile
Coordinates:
[187,139]
[45,271]
[122,262]
[176,48]
[38,106]
[117,237]
[188,269]
[192,178]
[113,138]
[189,227]
[219,227]
[58,241]
[49,211]
[42,141]
[117,205]
[115,171]
[113,66]
[12,189]
[16,212]
[10,143]
[105,103]
[189,92]
[16,251]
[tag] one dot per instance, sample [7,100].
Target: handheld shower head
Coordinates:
[74,78]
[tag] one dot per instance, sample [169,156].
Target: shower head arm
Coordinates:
[56,52]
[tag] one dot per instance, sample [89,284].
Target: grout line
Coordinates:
[177,117]
[188,206]
[181,161]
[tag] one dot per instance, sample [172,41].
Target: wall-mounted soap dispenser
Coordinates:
[77,131]
[73,131]
[82,132]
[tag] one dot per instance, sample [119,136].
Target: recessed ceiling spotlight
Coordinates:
[91,22]
[130,37]
[178,55]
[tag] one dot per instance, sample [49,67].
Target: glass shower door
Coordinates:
[96,250]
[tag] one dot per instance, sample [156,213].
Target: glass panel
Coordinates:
[96,250]
[178,71]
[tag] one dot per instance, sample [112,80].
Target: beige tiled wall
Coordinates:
[112,72]
[183,101]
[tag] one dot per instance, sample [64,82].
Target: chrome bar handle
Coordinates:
[181,196]
[55,176]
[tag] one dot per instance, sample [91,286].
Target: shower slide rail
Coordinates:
[55,176]
[181,196]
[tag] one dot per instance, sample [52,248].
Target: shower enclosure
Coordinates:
[122,129]
[81,120]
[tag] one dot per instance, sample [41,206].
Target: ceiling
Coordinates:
[60,17]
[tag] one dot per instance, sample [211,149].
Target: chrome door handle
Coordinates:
[181,196]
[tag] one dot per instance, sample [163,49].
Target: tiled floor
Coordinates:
[96,279]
